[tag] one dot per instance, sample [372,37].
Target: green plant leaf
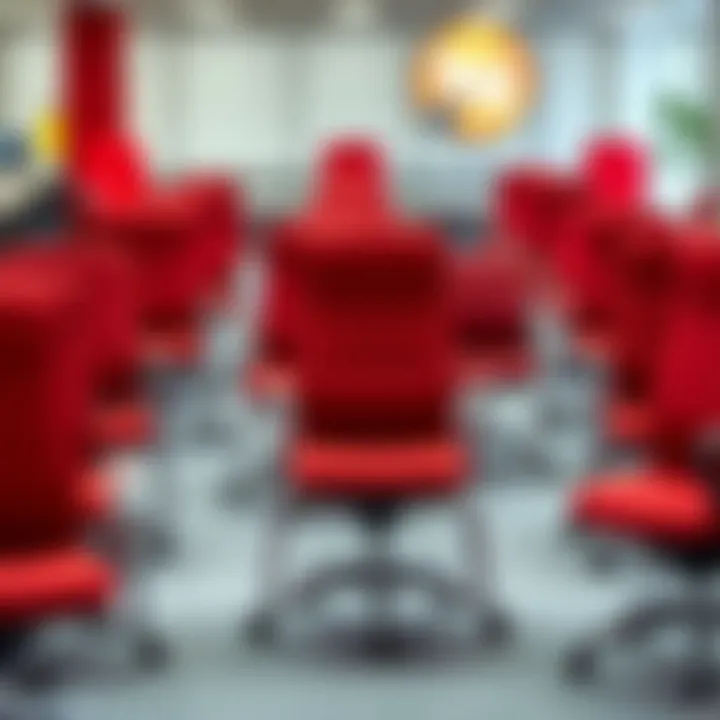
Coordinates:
[686,126]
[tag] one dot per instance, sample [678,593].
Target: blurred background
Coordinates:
[255,85]
[255,92]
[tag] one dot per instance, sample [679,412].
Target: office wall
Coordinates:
[261,103]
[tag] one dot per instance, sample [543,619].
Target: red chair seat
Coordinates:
[654,506]
[54,583]
[432,468]
[124,425]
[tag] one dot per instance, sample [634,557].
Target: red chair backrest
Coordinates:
[529,202]
[94,87]
[490,291]
[44,394]
[352,190]
[113,316]
[220,204]
[616,171]
[162,243]
[353,176]
[644,282]
[375,337]
[687,386]
[587,257]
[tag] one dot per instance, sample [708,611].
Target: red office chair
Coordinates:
[222,225]
[119,418]
[161,232]
[46,572]
[587,260]
[351,182]
[491,307]
[671,506]
[643,283]
[614,171]
[376,428]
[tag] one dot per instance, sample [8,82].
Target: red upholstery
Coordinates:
[93,80]
[588,254]
[114,173]
[654,506]
[402,469]
[45,381]
[686,396]
[376,370]
[160,231]
[110,341]
[530,202]
[490,305]
[353,177]
[644,275]
[52,584]
[616,171]
[44,403]
[121,418]
[665,505]
[351,187]
[220,204]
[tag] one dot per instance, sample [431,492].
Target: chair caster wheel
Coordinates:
[602,561]
[580,665]
[41,675]
[260,630]
[150,653]
[495,629]
[698,686]
[159,545]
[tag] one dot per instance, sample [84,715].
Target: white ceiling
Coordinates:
[408,16]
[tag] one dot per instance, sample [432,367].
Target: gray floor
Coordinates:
[199,599]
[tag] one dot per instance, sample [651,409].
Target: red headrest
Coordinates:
[353,174]
[94,88]
[617,171]
[115,172]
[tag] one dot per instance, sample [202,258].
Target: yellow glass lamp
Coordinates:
[48,138]
[476,74]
